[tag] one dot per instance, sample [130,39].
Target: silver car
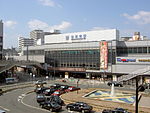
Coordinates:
[2,111]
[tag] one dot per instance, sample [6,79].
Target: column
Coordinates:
[114,77]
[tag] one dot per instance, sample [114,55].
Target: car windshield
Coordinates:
[48,90]
[56,92]
[70,88]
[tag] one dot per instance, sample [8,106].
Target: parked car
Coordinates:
[58,92]
[80,107]
[121,110]
[115,83]
[40,98]
[2,111]
[40,90]
[40,82]
[72,88]
[116,110]
[49,91]
[56,99]
[55,86]
[107,111]
[51,105]
[64,87]
[1,92]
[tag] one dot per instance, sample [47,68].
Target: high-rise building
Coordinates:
[37,34]
[23,42]
[1,39]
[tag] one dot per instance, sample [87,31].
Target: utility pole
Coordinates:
[54,69]
[27,53]
[137,90]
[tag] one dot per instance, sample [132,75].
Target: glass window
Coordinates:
[144,49]
[129,50]
[135,50]
[139,49]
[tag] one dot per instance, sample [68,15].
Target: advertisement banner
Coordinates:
[103,55]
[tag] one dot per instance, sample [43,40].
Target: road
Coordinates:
[17,102]
[12,102]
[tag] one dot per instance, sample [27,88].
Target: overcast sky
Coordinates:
[22,16]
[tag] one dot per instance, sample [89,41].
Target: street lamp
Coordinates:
[27,53]
[137,90]
[54,69]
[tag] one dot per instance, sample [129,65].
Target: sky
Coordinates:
[20,17]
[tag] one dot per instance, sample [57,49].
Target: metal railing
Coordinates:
[9,64]
[134,74]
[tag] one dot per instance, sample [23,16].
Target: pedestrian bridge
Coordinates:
[140,72]
[6,65]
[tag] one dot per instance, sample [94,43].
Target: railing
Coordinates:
[9,64]
[134,74]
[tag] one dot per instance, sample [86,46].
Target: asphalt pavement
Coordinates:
[17,102]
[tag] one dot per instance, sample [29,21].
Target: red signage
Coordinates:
[103,55]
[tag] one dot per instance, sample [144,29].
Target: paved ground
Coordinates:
[99,105]
[145,102]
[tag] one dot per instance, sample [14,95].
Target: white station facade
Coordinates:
[99,53]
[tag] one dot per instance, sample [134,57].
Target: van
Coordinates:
[11,80]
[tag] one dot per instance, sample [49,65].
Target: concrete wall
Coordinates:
[120,68]
[38,58]
[110,34]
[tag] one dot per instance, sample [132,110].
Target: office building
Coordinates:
[36,35]
[24,42]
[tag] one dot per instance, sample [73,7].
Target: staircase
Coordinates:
[134,74]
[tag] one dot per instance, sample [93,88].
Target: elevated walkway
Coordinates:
[6,65]
[134,74]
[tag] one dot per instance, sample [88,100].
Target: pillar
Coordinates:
[88,75]
[114,77]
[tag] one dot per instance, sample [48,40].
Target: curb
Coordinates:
[18,86]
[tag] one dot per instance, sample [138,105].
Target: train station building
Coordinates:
[92,54]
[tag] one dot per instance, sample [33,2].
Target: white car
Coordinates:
[2,111]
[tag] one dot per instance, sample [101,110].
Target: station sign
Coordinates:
[76,37]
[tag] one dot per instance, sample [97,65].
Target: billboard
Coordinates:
[103,55]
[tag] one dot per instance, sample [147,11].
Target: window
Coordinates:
[139,49]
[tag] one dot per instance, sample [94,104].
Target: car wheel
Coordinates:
[83,111]
[51,110]
[68,109]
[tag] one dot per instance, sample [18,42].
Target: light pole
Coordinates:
[137,90]
[27,53]
[54,69]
